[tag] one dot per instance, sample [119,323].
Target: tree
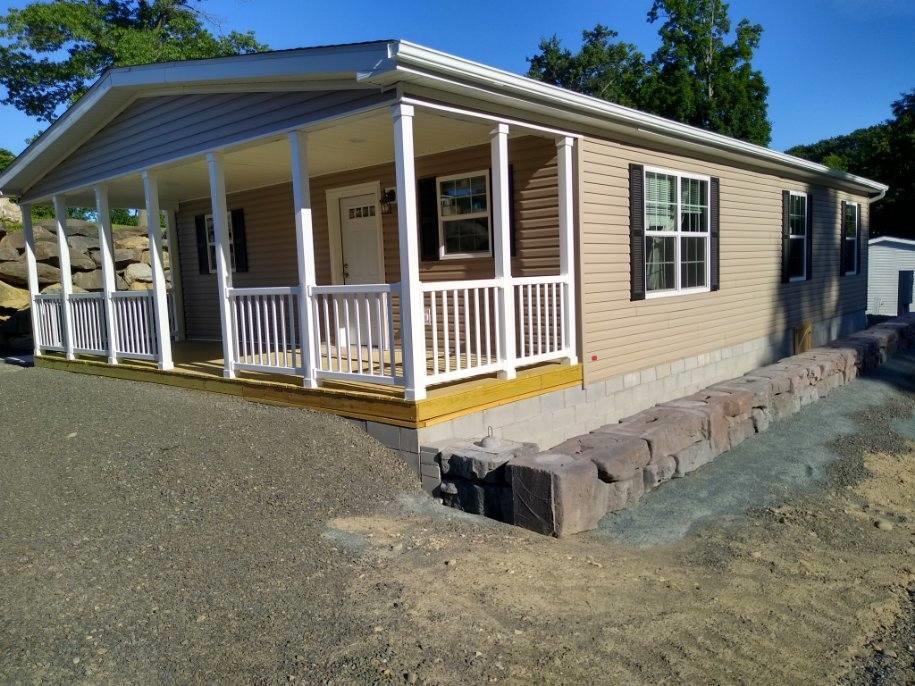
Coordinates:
[54,49]
[6,158]
[605,68]
[699,76]
[885,152]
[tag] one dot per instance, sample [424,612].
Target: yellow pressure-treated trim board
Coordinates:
[360,401]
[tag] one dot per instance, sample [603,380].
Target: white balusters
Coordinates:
[49,333]
[265,329]
[90,328]
[135,324]
[460,330]
[542,333]
[354,332]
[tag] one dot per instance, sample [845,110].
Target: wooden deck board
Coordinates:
[198,366]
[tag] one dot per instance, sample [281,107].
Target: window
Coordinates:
[797,236]
[464,223]
[211,243]
[850,236]
[676,233]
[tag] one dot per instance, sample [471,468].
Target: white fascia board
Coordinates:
[410,54]
[118,86]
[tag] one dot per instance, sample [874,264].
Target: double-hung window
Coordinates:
[211,242]
[464,218]
[797,236]
[850,225]
[676,233]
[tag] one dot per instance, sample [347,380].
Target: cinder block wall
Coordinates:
[552,418]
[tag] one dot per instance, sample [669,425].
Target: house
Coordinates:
[434,247]
[890,276]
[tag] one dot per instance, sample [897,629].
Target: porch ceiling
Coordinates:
[352,143]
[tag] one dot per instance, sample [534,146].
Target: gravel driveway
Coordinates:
[150,534]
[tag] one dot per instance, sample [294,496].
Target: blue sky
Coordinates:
[832,65]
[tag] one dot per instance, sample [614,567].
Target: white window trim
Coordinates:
[443,253]
[854,240]
[806,196]
[678,234]
[206,229]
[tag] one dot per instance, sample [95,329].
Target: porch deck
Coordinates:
[199,365]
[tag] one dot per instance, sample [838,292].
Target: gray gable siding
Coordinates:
[157,129]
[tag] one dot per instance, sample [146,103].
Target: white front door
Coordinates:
[359,227]
[360,244]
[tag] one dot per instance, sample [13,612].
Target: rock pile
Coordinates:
[571,487]
[131,257]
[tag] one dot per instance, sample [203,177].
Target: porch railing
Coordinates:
[134,324]
[89,322]
[540,322]
[266,329]
[462,332]
[48,309]
[354,332]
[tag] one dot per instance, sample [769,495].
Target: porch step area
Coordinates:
[569,488]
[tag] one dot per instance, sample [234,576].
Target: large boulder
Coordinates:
[556,494]
[8,254]
[13,298]
[481,460]
[132,242]
[16,239]
[145,258]
[138,272]
[667,430]
[80,261]
[83,244]
[91,281]
[54,289]
[47,251]
[617,457]
[15,273]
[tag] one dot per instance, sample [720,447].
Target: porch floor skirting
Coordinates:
[199,365]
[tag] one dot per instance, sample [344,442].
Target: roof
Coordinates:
[384,64]
[892,239]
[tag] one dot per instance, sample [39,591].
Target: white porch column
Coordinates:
[564,148]
[411,294]
[174,268]
[66,277]
[160,305]
[501,244]
[305,251]
[31,269]
[220,212]
[106,253]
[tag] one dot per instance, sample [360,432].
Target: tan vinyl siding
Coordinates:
[269,224]
[157,129]
[752,302]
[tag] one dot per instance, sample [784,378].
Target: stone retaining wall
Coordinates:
[572,486]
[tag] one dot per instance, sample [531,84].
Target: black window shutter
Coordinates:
[512,227]
[427,207]
[786,233]
[861,242]
[636,232]
[842,242]
[809,255]
[239,240]
[715,231]
[203,260]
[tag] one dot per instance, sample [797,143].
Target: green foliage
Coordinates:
[605,68]
[53,50]
[701,74]
[123,217]
[885,152]
[6,158]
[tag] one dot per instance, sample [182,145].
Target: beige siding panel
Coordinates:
[156,129]
[270,228]
[626,336]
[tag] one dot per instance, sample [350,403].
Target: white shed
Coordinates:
[891,265]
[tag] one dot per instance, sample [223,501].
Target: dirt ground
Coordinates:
[215,540]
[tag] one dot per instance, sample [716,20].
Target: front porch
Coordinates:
[427,337]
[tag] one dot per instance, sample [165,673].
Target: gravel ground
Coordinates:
[152,534]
